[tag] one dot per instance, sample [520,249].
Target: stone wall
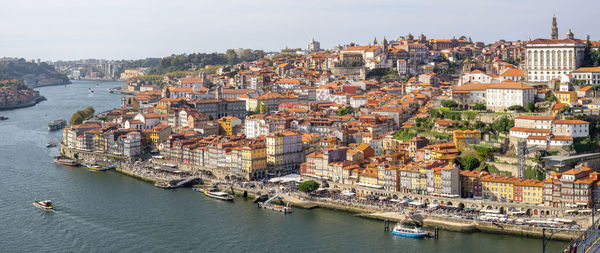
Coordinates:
[513,169]
[86,155]
[356,72]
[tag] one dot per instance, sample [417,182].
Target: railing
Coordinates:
[585,240]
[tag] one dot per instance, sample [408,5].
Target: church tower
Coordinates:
[385,43]
[570,34]
[375,41]
[554,34]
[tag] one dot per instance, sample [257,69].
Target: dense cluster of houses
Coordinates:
[315,113]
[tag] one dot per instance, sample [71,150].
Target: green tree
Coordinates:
[468,162]
[479,107]
[503,124]
[479,125]
[76,119]
[483,152]
[587,61]
[81,115]
[263,108]
[344,111]
[550,98]
[449,103]
[308,186]
[231,56]
[515,108]
[530,107]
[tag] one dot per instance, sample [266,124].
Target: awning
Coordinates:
[370,185]
[286,178]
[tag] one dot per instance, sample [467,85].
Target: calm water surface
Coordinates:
[109,212]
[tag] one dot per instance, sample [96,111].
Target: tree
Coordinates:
[479,125]
[76,119]
[308,186]
[231,56]
[263,108]
[550,98]
[449,104]
[587,54]
[344,111]
[81,115]
[515,108]
[530,107]
[483,153]
[479,107]
[468,162]
[503,124]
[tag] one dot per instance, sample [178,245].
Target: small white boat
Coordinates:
[218,195]
[43,204]
[408,232]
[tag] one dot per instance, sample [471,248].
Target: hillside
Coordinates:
[33,74]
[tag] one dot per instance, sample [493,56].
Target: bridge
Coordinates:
[187,181]
[587,242]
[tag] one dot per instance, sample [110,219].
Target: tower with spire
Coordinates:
[375,41]
[554,33]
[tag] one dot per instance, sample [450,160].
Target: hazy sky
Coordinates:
[132,29]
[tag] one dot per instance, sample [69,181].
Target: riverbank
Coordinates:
[23,105]
[361,210]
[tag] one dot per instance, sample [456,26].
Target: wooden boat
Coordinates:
[64,161]
[164,184]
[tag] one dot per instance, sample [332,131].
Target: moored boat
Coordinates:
[164,184]
[95,167]
[56,124]
[50,144]
[43,204]
[218,195]
[408,232]
[64,161]
[3,118]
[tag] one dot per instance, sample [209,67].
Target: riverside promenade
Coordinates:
[453,220]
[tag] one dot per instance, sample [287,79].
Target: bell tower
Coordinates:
[554,33]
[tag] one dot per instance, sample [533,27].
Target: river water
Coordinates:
[110,212]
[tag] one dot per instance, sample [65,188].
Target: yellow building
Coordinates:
[497,188]
[227,125]
[250,160]
[532,191]
[566,97]
[254,157]
[369,177]
[463,138]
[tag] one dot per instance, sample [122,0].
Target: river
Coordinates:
[110,212]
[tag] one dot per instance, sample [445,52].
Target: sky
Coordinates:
[135,29]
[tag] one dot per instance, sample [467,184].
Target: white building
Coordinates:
[496,96]
[476,76]
[313,46]
[451,180]
[589,75]
[401,67]
[547,59]
[545,131]
[132,144]
[532,121]
[512,74]
[573,128]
